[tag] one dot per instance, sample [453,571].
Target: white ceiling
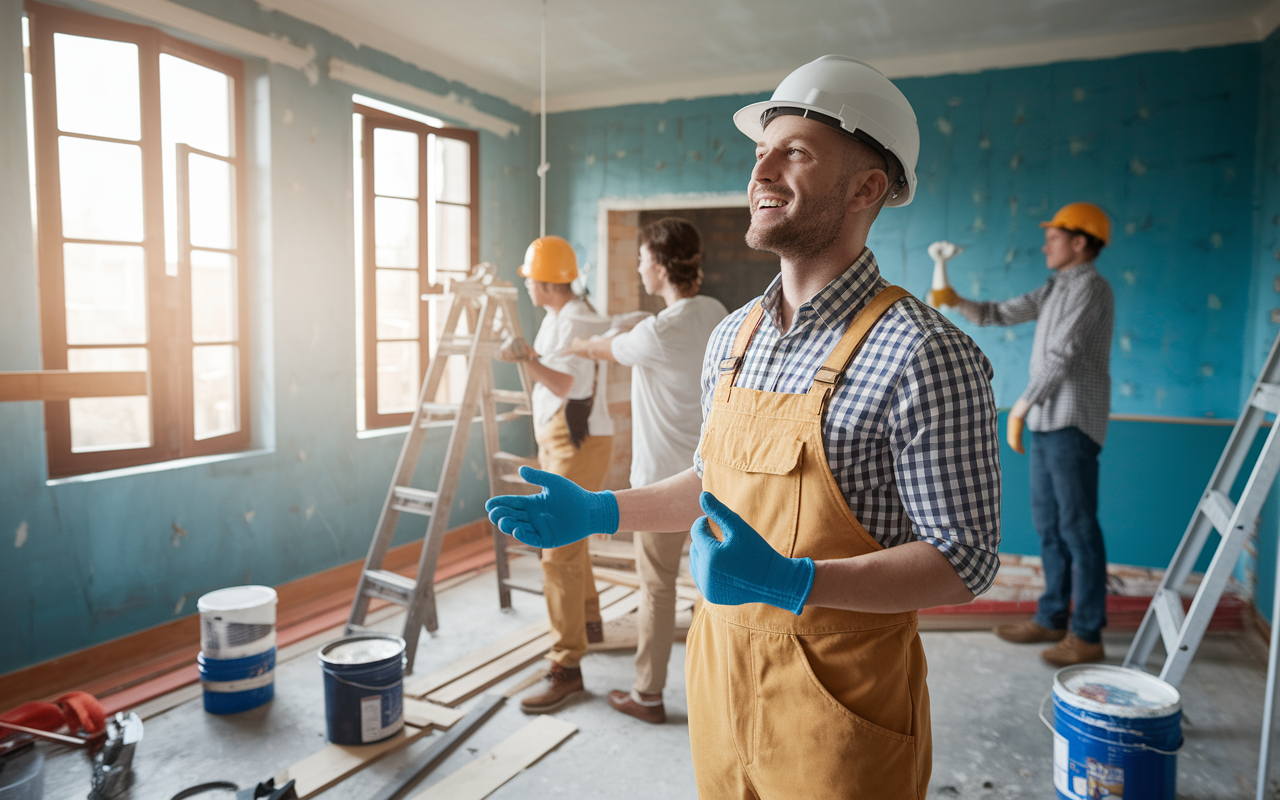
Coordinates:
[608,52]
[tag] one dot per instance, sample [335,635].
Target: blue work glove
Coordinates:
[562,513]
[744,568]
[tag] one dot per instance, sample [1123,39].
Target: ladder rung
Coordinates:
[507,416]
[1267,398]
[1218,508]
[435,413]
[454,344]
[414,501]
[503,292]
[531,588]
[512,462]
[513,397]
[1170,615]
[389,586]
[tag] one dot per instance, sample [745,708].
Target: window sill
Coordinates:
[378,433]
[160,466]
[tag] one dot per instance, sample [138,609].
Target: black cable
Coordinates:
[205,787]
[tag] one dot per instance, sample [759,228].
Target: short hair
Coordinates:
[1092,244]
[675,244]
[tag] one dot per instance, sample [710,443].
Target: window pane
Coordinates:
[101,189]
[106,293]
[214,390]
[454,237]
[195,106]
[96,82]
[397,376]
[396,226]
[397,304]
[109,423]
[395,163]
[454,169]
[210,182]
[213,296]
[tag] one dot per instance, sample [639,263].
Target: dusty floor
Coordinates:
[988,740]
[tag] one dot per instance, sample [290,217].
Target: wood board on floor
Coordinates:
[422,714]
[509,758]
[335,762]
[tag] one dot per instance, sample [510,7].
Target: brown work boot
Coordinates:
[644,707]
[595,632]
[1073,650]
[1029,632]
[559,684]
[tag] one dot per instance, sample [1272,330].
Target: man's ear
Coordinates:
[871,188]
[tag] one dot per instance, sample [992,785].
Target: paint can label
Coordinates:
[378,718]
[1105,780]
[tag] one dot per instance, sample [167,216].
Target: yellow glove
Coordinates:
[1013,433]
[942,297]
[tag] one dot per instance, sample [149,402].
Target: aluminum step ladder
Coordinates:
[489,306]
[1165,620]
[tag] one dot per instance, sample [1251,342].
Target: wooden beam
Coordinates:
[335,762]
[59,384]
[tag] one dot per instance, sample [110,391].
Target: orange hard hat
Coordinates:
[550,259]
[1084,218]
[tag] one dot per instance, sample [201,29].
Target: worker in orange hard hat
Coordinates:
[575,440]
[1066,405]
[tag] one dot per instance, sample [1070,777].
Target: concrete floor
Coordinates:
[988,741]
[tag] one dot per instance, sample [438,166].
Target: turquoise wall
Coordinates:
[1166,143]
[86,561]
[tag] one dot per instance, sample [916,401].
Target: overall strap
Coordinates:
[825,379]
[730,366]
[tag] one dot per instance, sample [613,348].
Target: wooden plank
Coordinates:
[335,762]
[622,577]
[422,714]
[60,384]
[513,755]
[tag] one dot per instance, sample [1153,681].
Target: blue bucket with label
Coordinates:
[232,685]
[363,687]
[1116,734]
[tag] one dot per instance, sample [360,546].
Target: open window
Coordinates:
[417,223]
[138,147]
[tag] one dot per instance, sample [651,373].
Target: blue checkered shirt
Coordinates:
[910,431]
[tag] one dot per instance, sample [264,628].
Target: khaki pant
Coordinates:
[657,562]
[568,584]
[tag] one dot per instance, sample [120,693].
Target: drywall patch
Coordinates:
[1077,145]
[1012,251]
[1016,160]
[182,602]
[1206,369]
[249,515]
[591,159]
[20,535]
[1126,343]
[179,533]
[1137,167]
[1130,277]
[944,126]
[1126,389]
[302,455]
[1130,228]
[1078,94]
[1214,302]
[1010,336]
[984,143]
[1215,240]
[955,102]
[620,154]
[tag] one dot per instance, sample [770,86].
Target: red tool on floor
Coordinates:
[78,712]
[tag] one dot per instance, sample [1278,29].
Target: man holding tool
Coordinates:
[849,461]
[1066,404]
[575,439]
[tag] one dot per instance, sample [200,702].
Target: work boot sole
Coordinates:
[622,703]
[550,705]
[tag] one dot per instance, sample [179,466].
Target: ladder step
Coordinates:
[531,588]
[414,501]
[1267,398]
[1218,508]
[510,462]
[437,413]
[513,397]
[454,344]
[389,586]
[1170,616]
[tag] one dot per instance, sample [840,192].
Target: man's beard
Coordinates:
[805,236]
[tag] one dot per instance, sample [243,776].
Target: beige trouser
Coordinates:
[657,562]
[568,585]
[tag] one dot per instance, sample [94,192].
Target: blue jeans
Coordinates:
[1064,509]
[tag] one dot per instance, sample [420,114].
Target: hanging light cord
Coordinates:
[543,166]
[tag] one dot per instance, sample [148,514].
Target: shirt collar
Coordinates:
[837,301]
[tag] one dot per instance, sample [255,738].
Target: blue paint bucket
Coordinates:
[1116,733]
[363,687]
[232,685]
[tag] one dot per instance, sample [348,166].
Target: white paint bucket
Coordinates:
[237,622]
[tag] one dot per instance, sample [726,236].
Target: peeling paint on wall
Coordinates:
[20,535]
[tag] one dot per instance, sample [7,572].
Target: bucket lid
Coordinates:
[362,648]
[1115,691]
[236,598]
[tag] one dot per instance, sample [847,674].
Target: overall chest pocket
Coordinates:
[758,476]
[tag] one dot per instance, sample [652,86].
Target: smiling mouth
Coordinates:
[769,203]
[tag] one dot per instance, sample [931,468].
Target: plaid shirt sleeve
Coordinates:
[1086,307]
[946,453]
[1013,311]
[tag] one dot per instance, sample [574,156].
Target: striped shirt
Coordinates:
[910,430]
[1071,354]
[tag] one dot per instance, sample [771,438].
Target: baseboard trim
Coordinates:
[133,668]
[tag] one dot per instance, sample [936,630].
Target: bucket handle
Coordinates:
[1139,745]
[363,686]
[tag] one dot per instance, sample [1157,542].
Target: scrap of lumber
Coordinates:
[422,764]
[421,714]
[335,762]
[478,680]
[513,755]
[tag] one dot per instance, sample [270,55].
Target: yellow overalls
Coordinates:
[828,704]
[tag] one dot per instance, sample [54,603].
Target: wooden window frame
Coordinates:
[169,335]
[372,119]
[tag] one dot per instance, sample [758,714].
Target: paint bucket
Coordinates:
[232,685]
[363,687]
[1116,733]
[237,621]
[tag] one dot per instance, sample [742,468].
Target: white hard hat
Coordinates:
[858,99]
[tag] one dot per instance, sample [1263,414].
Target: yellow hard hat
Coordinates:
[550,259]
[1082,217]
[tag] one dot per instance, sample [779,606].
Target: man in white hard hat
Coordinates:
[848,461]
